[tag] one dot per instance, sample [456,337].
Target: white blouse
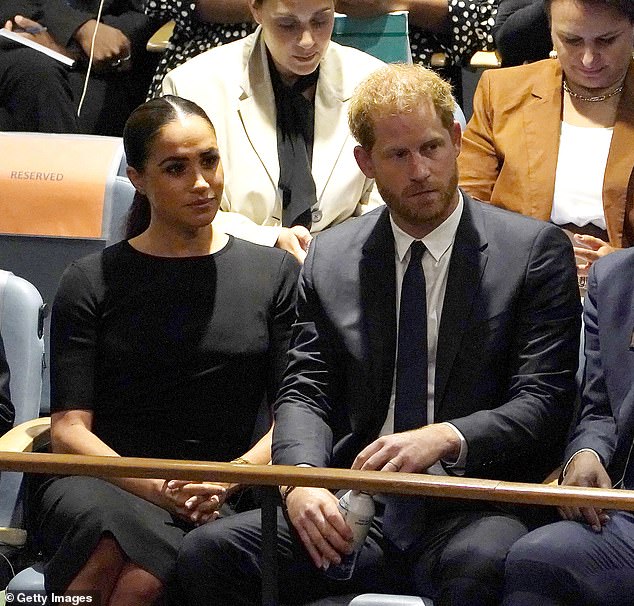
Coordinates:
[583,155]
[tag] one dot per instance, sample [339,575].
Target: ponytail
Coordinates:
[138,219]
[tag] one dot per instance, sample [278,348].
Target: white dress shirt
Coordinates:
[438,245]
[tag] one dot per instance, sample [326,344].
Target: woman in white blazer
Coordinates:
[239,86]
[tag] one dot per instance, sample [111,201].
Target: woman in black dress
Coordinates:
[163,345]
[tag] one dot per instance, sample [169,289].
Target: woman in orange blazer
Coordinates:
[531,135]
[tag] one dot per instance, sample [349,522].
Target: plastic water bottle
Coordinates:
[357,509]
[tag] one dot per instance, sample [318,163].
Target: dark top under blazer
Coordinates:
[507,345]
[606,422]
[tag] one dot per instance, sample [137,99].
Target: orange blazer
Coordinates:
[510,147]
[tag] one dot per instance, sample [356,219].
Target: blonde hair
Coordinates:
[394,89]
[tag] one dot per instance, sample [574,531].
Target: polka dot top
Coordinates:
[471,23]
[190,37]
[471,31]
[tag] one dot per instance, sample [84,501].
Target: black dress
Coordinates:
[173,356]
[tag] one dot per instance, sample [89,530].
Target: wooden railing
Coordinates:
[274,475]
[270,476]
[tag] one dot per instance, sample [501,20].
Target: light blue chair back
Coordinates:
[21,326]
[385,37]
[41,259]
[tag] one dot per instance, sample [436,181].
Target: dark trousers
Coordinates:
[458,560]
[35,93]
[567,563]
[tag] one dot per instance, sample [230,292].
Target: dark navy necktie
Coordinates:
[410,408]
[403,518]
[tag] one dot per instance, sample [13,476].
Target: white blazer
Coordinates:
[233,85]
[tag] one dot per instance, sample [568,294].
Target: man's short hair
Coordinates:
[394,89]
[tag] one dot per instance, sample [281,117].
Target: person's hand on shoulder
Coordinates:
[585,469]
[315,516]
[295,240]
[112,47]
[411,451]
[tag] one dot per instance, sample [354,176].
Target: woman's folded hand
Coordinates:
[196,502]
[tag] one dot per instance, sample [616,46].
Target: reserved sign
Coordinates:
[55,185]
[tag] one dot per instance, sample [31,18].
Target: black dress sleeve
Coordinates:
[7,411]
[74,333]
[521,31]
[281,321]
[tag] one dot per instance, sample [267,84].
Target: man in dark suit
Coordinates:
[38,93]
[485,389]
[589,558]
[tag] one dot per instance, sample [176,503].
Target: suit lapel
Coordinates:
[468,261]
[377,278]
[618,170]
[256,107]
[331,129]
[542,120]
[613,322]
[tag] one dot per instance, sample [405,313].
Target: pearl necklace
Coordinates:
[596,99]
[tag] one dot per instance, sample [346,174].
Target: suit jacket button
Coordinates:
[316,216]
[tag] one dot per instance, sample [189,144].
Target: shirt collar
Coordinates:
[436,242]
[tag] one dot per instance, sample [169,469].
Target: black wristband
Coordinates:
[285,494]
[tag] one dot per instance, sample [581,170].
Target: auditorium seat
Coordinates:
[21,314]
[62,197]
